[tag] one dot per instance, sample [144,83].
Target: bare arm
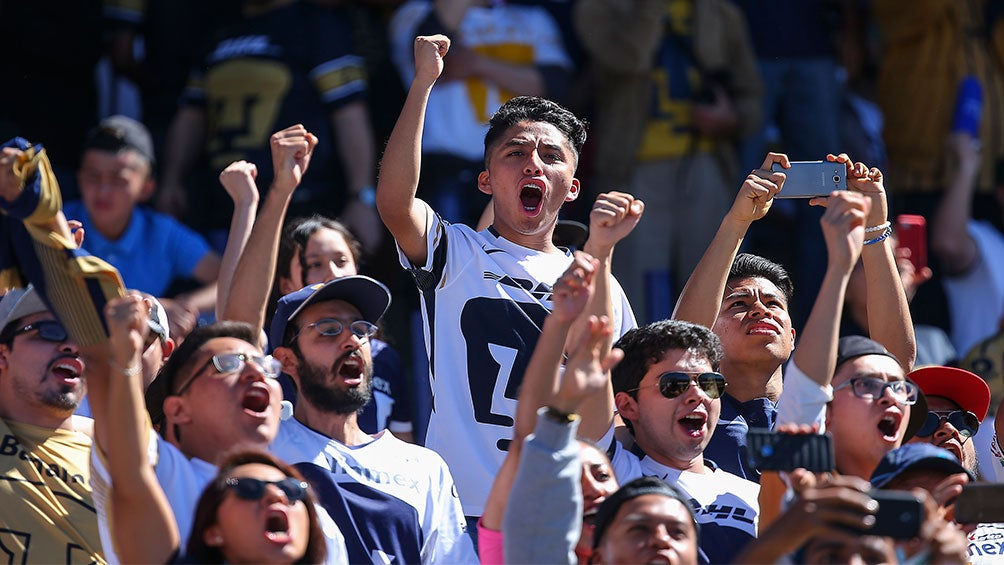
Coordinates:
[843,228]
[403,213]
[701,297]
[144,528]
[249,293]
[238,180]
[356,149]
[889,319]
[184,142]
[950,238]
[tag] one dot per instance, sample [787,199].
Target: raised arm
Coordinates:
[843,226]
[249,292]
[701,297]
[403,213]
[185,138]
[239,181]
[889,319]
[144,528]
[950,239]
[356,148]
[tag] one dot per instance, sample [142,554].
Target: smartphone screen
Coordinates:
[773,451]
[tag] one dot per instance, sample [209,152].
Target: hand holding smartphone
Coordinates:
[774,451]
[811,179]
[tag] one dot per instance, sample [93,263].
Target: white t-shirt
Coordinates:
[183,480]
[458,111]
[484,300]
[976,297]
[406,472]
[986,545]
[727,506]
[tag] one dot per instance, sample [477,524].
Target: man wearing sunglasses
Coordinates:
[398,497]
[957,403]
[46,506]
[668,391]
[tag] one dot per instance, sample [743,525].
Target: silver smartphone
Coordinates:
[809,179]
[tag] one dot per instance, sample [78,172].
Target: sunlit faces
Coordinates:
[531,173]
[673,431]
[333,373]
[111,184]
[649,528]
[753,322]
[865,429]
[269,530]
[598,482]
[326,258]
[232,409]
[946,436]
[43,376]
[862,550]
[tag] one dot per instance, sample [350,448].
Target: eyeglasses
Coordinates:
[330,327]
[903,392]
[675,383]
[965,422]
[233,363]
[248,488]
[49,330]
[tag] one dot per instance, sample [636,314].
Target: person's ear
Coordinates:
[627,406]
[290,363]
[146,192]
[573,191]
[4,354]
[484,182]
[167,348]
[213,536]
[176,411]
[286,285]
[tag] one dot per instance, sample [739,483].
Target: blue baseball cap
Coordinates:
[369,296]
[913,456]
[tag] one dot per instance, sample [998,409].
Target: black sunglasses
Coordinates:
[49,330]
[965,422]
[248,488]
[675,383]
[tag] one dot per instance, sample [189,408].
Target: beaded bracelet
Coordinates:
[880,227]
[885,234]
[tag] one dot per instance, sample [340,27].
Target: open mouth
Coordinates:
[763,328]
[693,423]
[351,368]
[889,425]
[256,400]
[277,526]
[68,368]
[530,196]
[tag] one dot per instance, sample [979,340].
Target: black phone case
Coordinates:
[772,451]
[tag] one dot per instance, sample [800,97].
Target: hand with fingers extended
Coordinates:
[291,151]
[756,195]
[587,369]
[429,53]
[843,226]
[613,217]
[572,291]
[866,180]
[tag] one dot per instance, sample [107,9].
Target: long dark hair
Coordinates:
[216,491]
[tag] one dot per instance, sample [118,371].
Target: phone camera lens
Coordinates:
[766,451]
[836,178]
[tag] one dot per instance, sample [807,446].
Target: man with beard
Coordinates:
[957,403]
[321,335]
[46,506]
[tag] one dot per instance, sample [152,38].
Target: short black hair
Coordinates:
[747,266]
[164,384]
[639,487]
[645,346]
[535,109]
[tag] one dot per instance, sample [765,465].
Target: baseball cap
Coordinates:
[854,346]
[986,359]
[639,487]
[118,132]
[18,303]
[967,390]
[369,296]
[914,456]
